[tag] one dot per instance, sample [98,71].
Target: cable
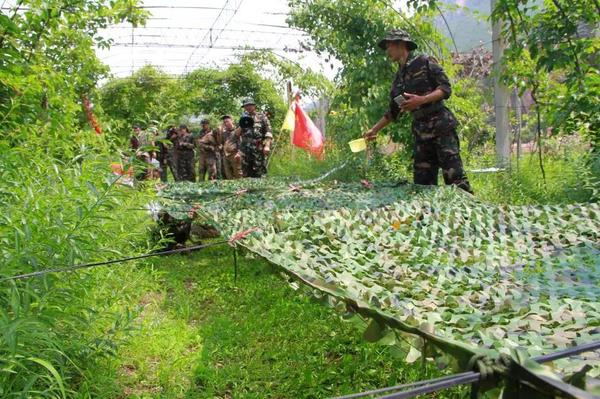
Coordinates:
[228,22]
[231,241]
[110,262]
[576,350]
[179,7]
[270,32]
[174,45]
[205,36]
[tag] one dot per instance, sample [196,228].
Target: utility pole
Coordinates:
[500,96]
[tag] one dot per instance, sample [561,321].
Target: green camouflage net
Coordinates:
[435,263]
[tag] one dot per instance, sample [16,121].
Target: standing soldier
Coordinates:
[142,142]
[207,143]
[166,154]
[256,141]
[420,87]
[232,156]
[184,155]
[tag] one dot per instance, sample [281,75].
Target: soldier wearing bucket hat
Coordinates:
[256,140]
[420,88]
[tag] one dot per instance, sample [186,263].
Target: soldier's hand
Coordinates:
[370,135]
[413,101]
[266,150]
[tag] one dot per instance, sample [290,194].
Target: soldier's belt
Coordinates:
[423,112]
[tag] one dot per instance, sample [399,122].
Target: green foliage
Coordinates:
[348,31]
[217,92]
[570,178]
[557,38]
[57,214]
[149,98]
[47,62]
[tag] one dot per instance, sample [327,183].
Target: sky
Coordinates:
[185,34]
[181,35]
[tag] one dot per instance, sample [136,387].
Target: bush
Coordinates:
[55,214]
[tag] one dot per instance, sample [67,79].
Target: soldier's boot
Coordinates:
[448,154]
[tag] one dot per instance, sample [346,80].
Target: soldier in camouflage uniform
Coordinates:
[256,142]
[208,145]
[232,156]
[184,154]
[166,152]
[420,87]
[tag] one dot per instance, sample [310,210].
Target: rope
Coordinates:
[231,241]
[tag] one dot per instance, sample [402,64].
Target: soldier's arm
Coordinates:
[414,101]
[266,127]
[188,143]
[439,77]
[371,134]
[392,112]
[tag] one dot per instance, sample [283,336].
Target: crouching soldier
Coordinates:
[175,231]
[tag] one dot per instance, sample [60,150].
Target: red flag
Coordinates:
[306,134]
[90,115]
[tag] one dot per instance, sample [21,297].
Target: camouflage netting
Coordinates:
[434,263]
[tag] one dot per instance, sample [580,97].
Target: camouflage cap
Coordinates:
[397,35]
[248,101]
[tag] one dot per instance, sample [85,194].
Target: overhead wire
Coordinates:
[185,69]
[212,42]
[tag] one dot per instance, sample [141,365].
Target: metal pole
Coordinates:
[235,265]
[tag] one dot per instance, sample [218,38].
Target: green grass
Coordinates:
[198,334]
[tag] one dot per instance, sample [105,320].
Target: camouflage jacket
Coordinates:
[185,143]
[422,75]
[207,141]
[230,142]
[260,131]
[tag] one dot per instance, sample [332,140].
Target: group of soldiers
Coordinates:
[228,152]
[420,88]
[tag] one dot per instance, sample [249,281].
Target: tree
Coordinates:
[348,30]
[147,95]
[217,92]
[47,62]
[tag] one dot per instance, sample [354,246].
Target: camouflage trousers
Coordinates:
[254,163]
[207,164]
[185,167]
[232,167]
[441,151]
[173,166]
